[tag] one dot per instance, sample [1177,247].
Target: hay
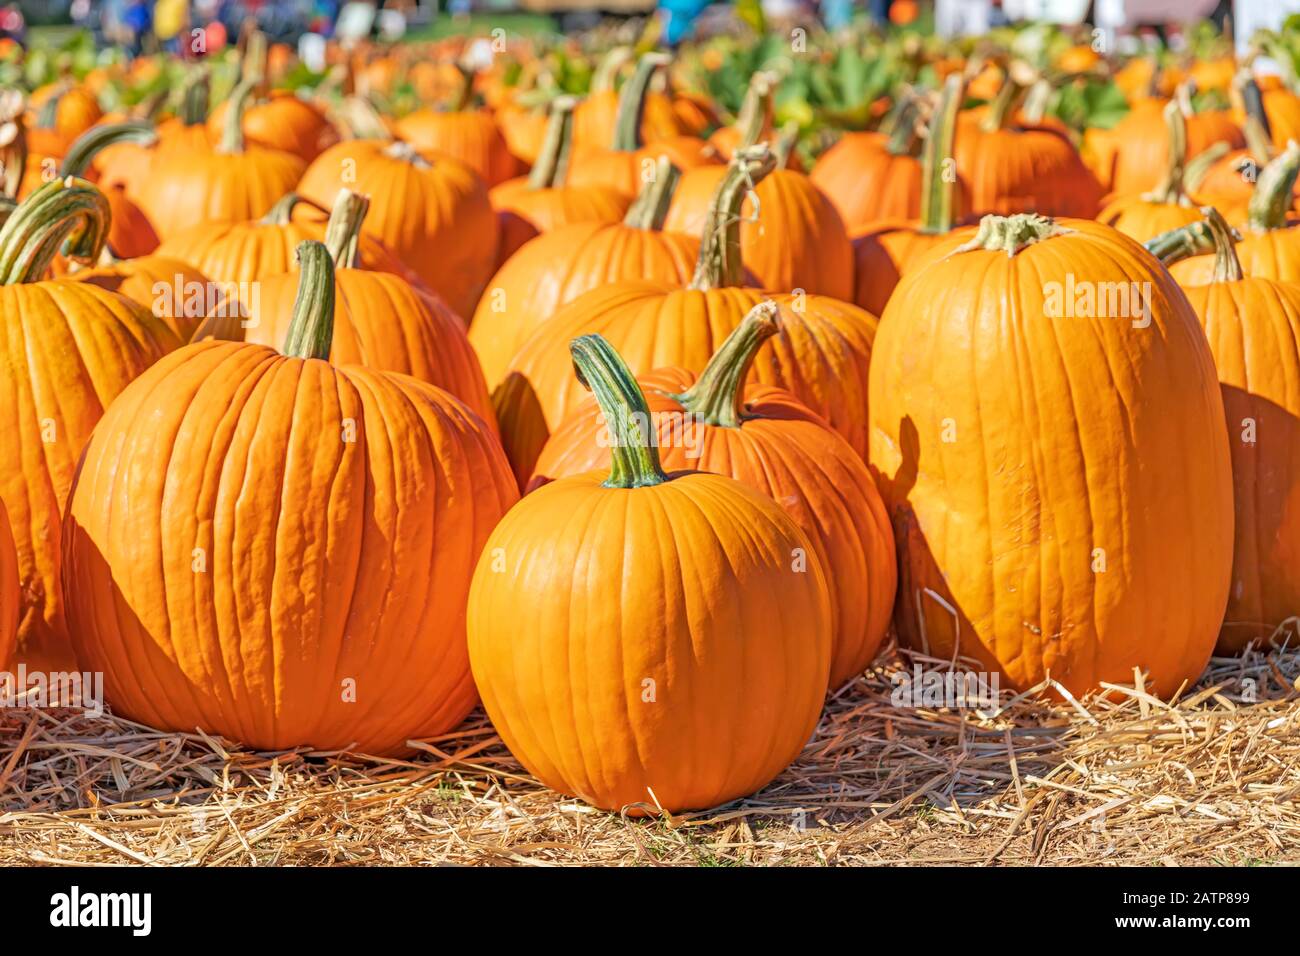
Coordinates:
[1212,778]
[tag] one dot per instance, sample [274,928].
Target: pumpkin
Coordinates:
[234,182]
[172,290]
[647,641]
[1253,328]
[623,165]
[1166,207]
[67,350]
[9,596]
[1010,166]
[541,202]
[883,252]
[462,133]
[60,112]
[299,538]
[1270,248]
[605,107]
[1101,539]
[554,269]
[433,212]
[821,353]
[791,237]
[768,440]
[128,162]
[130,234]
[381,320]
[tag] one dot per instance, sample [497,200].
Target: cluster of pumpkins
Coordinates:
[620,447]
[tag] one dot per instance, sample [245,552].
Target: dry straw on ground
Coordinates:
[1213,778]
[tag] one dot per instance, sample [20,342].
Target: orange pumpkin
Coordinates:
[1101,540]
[432,212]
[821,353]
[1166,207]
[234,182]
[9,594]
[462,133]
[381,320]
[556,268]
[766,439]
[283,122]
[604,108]
[60,112]
[702,648]
[1253,328]
[299,537]
[130,233]
[67,350]
[171,289]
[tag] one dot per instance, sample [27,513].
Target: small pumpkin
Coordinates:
[702,651]
[767,439]
[66,351]
[299,537]
[1101,540]
[462,132]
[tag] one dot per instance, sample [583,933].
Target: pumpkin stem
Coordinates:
[1036,100]
[1010,234]
[232,133]
[13,142]
[785,143]
[1002,106]
[602,81]
[311,330]
[650,208]
[66,209]
[281,214]
[752,119]
[253,66]
[717,397]
[634,455]
[552,166]
[1171,189]
[1256,128]
[1198,167]
[86,146]
[343,232]
[900,125]
[1227,267]
[1211,234]
[719,264]
[938,182]
[464,94]
[631,103]
[48,114]
[194,98]
[1272,196]
[407,154]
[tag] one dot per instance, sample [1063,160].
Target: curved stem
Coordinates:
[281,214]
[602,81]
[718,395]
[631,103]
[1227,267]
[634,457]
[650,208]
[232,133]
[311,330]
[1171,189]
[47,116]
[719,264]
[938,178]
[1211,234]
[756,109]
[253,67]
[552,164]
[343,232]
[1272,196]
[66,209]
[1010,234]
[1198,167]
[86,146]
[1002,105]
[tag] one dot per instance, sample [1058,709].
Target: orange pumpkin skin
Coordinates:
[284,122]
[383,322]
[432,213]
[787,453]
[556,268]
[524,131]
[821,354]
[597,115]
[1142,219]
[1069,417]
[160,284]
[622,170]
[331,562]
[76,111]
[794,239]
[9,594]
[525,212]
[471,137]
[882,255]
[868,183]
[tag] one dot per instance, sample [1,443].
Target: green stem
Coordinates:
[786,141]
[1036,100]
[650,208]
[194,98]
[634,457]
[464,89]
[755,110]
[631,103]
[232,133]
[66,209]
[1002,106]
[938,183]
[1273,191]
[48,115]
[719,264]
[1198,167]
[1227,267]
[1010,234]
[86,146]
[311,330]
[1211,234]
[343,232]
[552,164]
[253,67]
[602,81]
[1171,189]
[718,395]
[899,125]
[281,214]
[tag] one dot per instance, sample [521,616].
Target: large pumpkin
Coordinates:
[278,549]
[67,350]
[646,641]
[10,598]
[1253,327]
[380,320]
[432,212]
[1047,433]
[767,439]
[821,353]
